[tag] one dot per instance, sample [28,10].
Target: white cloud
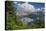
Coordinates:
[25,8]
[28,8]
[38,9]
[15,2]
[42,8]
[26,19]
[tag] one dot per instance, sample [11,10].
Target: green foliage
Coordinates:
[12,20]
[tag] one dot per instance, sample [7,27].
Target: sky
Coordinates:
[28,7]
[36,4]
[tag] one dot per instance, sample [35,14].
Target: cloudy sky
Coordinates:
[28,7]
[35,4]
